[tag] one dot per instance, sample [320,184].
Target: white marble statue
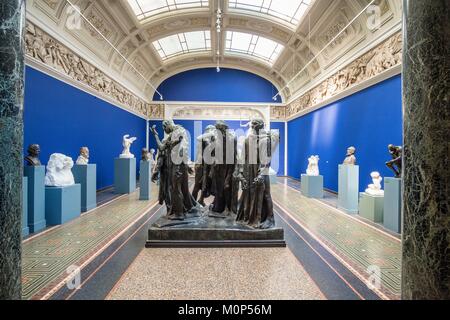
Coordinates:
[313,166]
[127,142]
[350,159]
[83,158]
[59,173]
[374,189]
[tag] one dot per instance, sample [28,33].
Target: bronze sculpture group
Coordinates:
[220,172]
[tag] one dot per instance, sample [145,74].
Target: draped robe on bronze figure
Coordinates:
[222,183]
[255,205]
[174,178]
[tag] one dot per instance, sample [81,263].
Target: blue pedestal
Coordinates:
[86,176]
[25,228]
[124,175]
[36,197]
[145,180]
[371,207]
[348,188]
[392,204]
[312,186]
[62,204]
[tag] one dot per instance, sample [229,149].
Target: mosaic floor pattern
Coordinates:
[47,257]
[223,274]
[361,247]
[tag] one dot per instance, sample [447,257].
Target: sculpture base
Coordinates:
[36,198]
[207,231]
[371,207]
[62,204]
[25,228]
[392,204]
[124,175]
[145,180]
[312,186]
[86,176]
[348,185]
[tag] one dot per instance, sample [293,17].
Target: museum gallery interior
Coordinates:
[224,150]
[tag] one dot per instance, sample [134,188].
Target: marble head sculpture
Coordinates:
[374,189]
[313,166]
[32,159]
[126,143]
[59,173]
[396,163]
[350,159]
[83,158]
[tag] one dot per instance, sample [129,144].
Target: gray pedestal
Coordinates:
[312,186]
[348,188]
[145,180]
[124,175]
[62,204]
[371,207]
[25,228]
[392,204]
[86,176]
[36,197]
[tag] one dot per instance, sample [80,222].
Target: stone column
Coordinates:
[12,23]
[426,100]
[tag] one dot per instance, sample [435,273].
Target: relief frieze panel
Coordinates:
[43,48]
[384,57]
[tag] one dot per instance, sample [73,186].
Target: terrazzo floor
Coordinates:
[222,274]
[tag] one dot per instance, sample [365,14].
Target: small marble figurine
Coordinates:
[350,159]
[59,173]
[127,142]
[396,163]
[313,166]
[374,189]
[145,155]
[83,158]
[32,158]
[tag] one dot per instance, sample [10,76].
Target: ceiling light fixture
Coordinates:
[219,30]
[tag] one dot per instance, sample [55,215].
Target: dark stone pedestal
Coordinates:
[209,231]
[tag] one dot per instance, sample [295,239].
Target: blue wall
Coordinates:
[61,118]
[228,85]
[196,128]
[369,120]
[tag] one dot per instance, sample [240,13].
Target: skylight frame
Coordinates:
[266,8]
[184,47]
[171,6]
[254,43]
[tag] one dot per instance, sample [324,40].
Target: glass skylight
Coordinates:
[182,43]
[147,8]
[290,11]
[253,45]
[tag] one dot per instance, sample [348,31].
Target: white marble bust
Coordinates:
[374,189]
[313,166]
[59,173]
[83,158]
[126,143]
[350,159]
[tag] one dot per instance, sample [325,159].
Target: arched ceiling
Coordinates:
[299,37]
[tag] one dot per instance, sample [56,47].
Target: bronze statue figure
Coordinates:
[32,159]
[396,163]
[222,170]
[172,169]
[255,204]
[202,182]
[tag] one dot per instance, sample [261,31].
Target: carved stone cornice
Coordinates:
[278,113]
[48,51]
[378,60]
